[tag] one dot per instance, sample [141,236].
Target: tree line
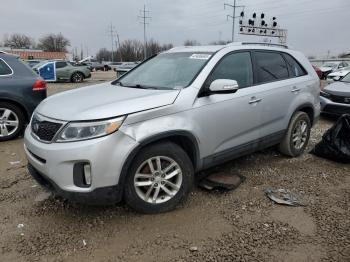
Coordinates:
[49,42]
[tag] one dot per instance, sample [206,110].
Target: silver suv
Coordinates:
[143,137]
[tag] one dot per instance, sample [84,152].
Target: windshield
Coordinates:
[167,71]
[329,65]
[346,78]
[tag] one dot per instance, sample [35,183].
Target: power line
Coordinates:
[233,16]
[144,21]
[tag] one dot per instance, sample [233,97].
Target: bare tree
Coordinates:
[220,42]
[104,55]
[344,55]
[54,43]
[18,41]
[191,42]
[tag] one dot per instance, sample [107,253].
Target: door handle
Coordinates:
[295,89]
[254,100]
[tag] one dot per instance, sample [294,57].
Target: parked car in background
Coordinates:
[335,98]
[125,67]
[32,63]
[318,71]
[95,65]
[143,136]
[338,74]
[21,90]
[329,67]
[115,65]
[65,71]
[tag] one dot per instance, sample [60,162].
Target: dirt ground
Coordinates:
[240,225]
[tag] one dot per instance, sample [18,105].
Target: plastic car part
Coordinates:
[222,181]
[283,197]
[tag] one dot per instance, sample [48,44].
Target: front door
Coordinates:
[228,123]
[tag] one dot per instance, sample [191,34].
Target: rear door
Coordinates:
[272,79]
[279,78]
[62,70]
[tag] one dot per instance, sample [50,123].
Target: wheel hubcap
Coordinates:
[300,134]
[158,179]
[8,122]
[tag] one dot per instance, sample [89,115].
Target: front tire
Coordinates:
[12,121]
[160,177]
[297,137]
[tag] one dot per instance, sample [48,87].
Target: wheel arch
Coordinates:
[308,109]
[19,105]
[184,139]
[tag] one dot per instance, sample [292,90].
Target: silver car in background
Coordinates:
[144,136]
[335,98]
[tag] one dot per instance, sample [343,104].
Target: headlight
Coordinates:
[77,131]
[324,94]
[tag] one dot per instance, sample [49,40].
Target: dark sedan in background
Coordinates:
[21,90]
[335,98]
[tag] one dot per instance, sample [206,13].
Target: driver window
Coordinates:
[235,66]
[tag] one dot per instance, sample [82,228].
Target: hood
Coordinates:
[326,68]
[103,101]
[338,89]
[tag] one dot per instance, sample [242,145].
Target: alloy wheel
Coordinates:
[300,134]
[158,179]
[9,122]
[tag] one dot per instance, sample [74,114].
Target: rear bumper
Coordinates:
[103,195]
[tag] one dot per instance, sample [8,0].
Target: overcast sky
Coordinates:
[314,26]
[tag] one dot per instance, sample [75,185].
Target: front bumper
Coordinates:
[55,162]
[333,108]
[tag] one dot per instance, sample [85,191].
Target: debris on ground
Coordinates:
[283,197]
[222,181]
[19,226]
[15,162]
[84,243]
[192,249]
[43,196]
[335,143]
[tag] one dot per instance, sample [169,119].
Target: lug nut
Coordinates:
[155,184]
[162,182]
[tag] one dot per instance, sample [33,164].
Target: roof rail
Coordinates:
[259,43]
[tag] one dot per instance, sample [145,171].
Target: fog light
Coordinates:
[87,174]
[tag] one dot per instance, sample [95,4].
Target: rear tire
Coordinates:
[77,77]
[12,121]
[297,137]
[161,190]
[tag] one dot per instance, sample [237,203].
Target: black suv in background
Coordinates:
[21,90]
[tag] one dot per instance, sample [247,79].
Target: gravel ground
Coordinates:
[240,225]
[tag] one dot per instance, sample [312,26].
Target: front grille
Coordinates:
[340,99]
[43,129]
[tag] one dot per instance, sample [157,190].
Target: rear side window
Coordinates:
[270,67]
[295,68]
[4,68]
[61,64]
[235,66]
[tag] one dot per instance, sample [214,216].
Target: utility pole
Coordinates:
[233,16]
[144,18]
[111,33]
[118,48]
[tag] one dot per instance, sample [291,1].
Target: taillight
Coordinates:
[39,85]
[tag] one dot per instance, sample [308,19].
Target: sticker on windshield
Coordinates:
[200,56]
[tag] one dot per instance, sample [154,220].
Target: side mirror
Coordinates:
[336,78]
[223,86]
